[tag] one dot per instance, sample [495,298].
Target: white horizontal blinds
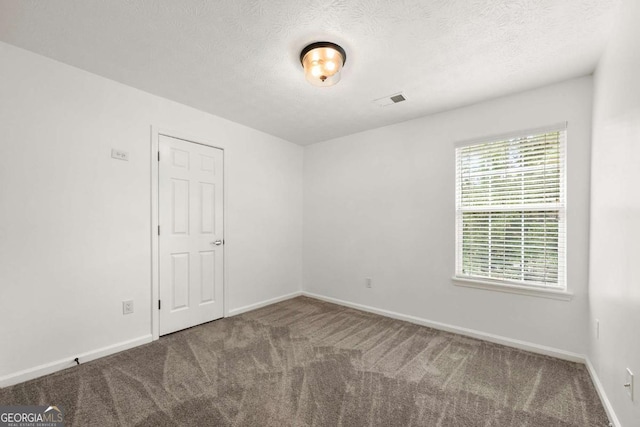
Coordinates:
[510,206]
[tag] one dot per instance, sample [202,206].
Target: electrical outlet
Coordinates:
[597,329]
[127,307]
[628,383]
[367,282]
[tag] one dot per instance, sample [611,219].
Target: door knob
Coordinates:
[217,242]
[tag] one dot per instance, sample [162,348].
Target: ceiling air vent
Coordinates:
[389,100]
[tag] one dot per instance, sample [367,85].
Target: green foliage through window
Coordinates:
[510,210]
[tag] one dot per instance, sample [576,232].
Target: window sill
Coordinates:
[513,289]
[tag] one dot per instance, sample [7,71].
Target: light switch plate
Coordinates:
[629,381]
[119,154]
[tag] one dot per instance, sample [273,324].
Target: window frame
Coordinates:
[505,285]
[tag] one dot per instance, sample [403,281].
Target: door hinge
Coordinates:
[158,156]
[158,230]
[159,304]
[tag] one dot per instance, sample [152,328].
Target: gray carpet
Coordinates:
[305,362]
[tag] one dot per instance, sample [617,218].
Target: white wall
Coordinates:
[75,229]
[614,285]
[381,203]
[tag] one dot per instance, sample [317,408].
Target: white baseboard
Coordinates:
[522,345]
[603,396]
[58,365]
[240,310]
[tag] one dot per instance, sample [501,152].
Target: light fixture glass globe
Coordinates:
[322,62]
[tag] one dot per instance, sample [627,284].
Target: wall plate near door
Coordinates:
[119,155]
[127,307]
[628,383]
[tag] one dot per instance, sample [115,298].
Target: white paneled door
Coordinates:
[191,233]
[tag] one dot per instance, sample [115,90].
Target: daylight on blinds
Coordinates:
[510,210]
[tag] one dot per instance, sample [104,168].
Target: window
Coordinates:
[510,210]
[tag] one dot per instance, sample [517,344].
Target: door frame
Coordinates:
[156,132]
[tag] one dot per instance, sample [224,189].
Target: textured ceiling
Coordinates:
[239,59]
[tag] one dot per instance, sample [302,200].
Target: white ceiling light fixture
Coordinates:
[322,62]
